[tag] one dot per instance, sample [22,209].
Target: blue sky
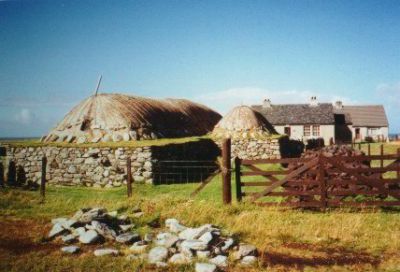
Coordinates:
[220,53]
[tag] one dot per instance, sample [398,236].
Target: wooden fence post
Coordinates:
[129,177]
[1,174]
[322,181]
[369,149]
[43,178]
[398,163]
[382,155]
[238,180]
[226,171]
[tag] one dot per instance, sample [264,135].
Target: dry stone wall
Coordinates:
[94,167]
[254,149]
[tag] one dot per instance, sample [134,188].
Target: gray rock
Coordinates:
[138,249]
[194,244]
[78,231]
[106,251]
[205,267]
[70,238]
[70,249]
[90,215]
[248,260]
[194,233]
[89,237]
[71,169]
[138,178]
[127,238]
[56,230]
[220,261]
[69,224]
[126,137]
[126,227]
[247,250]
[203,254]
[81,140]
[138,214]
[206,238]
[171,241]
[179,258]
[157,254]
[104,230]
[174,225]
[227,244]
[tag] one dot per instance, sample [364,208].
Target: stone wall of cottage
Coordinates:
[94,167]
[253,149]
[107,167]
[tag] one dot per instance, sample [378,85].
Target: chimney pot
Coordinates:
[267,103]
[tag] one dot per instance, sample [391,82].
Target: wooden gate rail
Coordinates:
[320,182]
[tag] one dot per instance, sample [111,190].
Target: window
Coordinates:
[315,130]
[307,130]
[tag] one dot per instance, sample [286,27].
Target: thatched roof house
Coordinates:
[243,122]
[117,117]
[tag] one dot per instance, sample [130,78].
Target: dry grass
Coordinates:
[289,240]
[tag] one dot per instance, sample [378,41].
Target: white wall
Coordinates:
[365,131]
[297,132]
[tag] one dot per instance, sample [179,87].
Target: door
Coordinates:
[358,134]
[287,131]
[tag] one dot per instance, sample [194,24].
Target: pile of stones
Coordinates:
[174,244]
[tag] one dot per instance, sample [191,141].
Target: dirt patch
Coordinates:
[19,236]
[318,255]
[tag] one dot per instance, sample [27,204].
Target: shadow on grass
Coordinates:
[320,256]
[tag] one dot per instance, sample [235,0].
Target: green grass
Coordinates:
[141,143]
[290,240]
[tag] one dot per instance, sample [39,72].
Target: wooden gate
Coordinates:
[320,182]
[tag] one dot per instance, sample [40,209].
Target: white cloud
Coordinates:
[24,116]
[224,100]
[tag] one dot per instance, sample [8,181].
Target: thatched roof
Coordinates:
[242,121]
[116,117]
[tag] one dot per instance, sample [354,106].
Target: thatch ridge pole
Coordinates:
[129,177]
[226,171]
[98,85]
[43,178]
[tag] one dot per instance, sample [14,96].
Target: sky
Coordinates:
[219,53]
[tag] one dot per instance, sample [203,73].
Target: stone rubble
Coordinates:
[175,244]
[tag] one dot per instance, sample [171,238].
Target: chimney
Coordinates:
[339,105]
[266,104]
[313,101]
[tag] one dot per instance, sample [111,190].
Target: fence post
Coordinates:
[359,146]
[321,179]
[43,178]
[1,174]
[129,177]
[226,171]
[382,155]
[369,149]
[398,163]
[238,180]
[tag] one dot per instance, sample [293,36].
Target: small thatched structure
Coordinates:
[117,117]
[243,122]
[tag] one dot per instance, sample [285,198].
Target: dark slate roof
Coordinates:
[365,116]
[298,114]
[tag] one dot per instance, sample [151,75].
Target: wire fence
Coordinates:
[180,172]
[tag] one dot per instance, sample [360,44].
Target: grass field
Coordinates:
[290,240]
